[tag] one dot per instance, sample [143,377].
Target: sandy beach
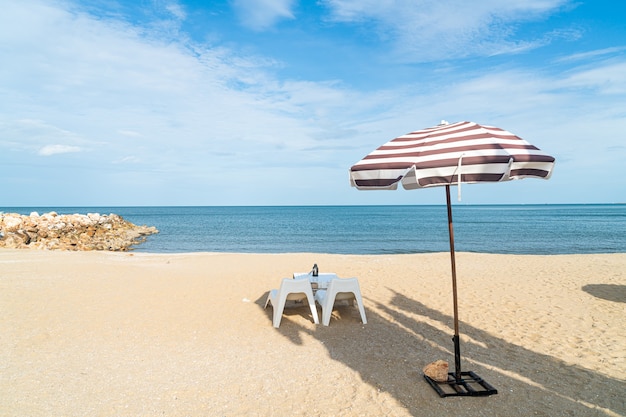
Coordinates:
[135,334]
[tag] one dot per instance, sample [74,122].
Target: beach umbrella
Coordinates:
[446,155]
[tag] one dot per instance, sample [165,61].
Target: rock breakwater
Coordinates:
[79,232]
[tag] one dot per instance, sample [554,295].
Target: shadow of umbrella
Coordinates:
[609,292]
[399,335]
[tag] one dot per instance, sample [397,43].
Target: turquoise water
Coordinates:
[515,229]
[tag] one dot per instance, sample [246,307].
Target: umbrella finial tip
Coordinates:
[444,123]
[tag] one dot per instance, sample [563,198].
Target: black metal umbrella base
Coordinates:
[470,385]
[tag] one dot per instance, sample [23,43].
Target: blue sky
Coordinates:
[269,102]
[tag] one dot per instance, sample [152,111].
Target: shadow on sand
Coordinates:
[401,338]
[610,292]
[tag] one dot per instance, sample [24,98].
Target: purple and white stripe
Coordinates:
[438,155]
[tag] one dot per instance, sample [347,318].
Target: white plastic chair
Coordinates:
[293,290]
[340,289]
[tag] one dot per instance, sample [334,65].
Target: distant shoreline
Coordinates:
[392,229]
[455,204]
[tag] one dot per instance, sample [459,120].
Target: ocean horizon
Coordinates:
[544,229]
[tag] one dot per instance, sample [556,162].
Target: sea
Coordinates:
[505,229]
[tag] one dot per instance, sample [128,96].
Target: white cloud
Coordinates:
[38,135]
[127,160]
[49,150]
[426,30]
[176,10]
[608,78]
[173,122]
[129,133]
[263,14]
[582,56]
[183,109]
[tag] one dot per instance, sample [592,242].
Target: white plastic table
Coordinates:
[318,282]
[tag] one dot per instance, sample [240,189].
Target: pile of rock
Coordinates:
[70,232]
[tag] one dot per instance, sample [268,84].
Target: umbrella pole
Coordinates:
[472,384]
[457,347]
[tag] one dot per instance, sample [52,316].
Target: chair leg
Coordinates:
[361,310]
[278,311]
[313,308]
[327,309]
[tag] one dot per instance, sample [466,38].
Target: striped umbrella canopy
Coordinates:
[445,155]
[450,154]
